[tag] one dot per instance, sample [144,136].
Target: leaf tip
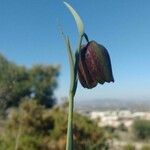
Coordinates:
[77,18]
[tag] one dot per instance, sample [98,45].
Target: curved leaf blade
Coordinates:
[77,18]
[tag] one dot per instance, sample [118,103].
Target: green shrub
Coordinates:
[146,147]
[122,127]
[128,147]
[141,128]
[36,128]
[18,82]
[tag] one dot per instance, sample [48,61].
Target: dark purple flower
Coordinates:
[94,65]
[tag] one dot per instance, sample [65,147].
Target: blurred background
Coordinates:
[34,76]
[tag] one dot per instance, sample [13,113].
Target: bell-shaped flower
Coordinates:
[94,65]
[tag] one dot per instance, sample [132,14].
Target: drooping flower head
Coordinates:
[94,65]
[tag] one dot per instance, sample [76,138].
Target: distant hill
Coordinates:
[112,104]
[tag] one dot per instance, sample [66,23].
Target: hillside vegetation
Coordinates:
[33,127]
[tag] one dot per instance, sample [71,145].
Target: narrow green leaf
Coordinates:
[77,18]
[70,56]
[70,53]
[68,44]
[73,61]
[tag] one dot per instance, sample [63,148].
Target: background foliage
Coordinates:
[18,82]
[141,129]
[33,121]
[45,129]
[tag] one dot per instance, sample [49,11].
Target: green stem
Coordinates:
[73,84]
[86,37]
[79,43]
[69,145]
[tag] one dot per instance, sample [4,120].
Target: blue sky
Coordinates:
[29,34]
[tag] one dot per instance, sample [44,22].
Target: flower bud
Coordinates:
[94,65]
